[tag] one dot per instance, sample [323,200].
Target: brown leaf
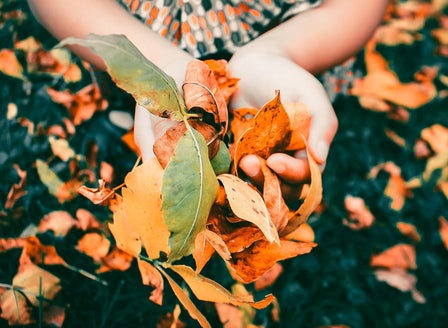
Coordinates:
[360,216]
[99,196]
[253,262]
[243,119]
[41,254]
[54,316]
[11,243]
[269,277]
[270,133]
[152,277]
[226,82]
[273,198]
[165,145]
[398,256]
[402,280]
[95,245]
[86,220]
[17,190]
[60,222]
[115,260]
[201,91]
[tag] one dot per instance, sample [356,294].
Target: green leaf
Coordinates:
[189,189]
[48,177]
[221,161]
[134,73]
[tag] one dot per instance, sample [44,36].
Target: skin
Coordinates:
[286,58]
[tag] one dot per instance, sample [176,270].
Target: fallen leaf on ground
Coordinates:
[402,280]
[399,256]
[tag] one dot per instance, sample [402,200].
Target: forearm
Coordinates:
[323,37]
[80,17]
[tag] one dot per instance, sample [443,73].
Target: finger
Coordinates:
[251,167]
[324,125]
[143,132]
[292,170]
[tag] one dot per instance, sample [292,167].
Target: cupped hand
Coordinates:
[261,74]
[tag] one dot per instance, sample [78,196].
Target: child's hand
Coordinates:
[260,75]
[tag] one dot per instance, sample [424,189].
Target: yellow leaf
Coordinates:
[143,205]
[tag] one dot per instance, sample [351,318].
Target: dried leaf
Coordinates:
[189,189]
[9,64]
[41,254]
[227,84]
[99,196]
[252,263]
[443,230]
[273,198]
[126,237]
[134,73]
[269,277]
[86,220]
[312,199]
[243,119]
[398,256]
[201,91]
[300,120]
[152,277]
[203,251]
[115,260]
[247,204]
[95,245]
[303,233]
[11,243]
[143,206]
[269,134]
[360,216]
[61,148]
[208,290]
[17,190]
[437,137]
[409,230]
[186,301]
[402,280]
[60,222]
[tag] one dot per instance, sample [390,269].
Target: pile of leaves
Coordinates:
[380,229]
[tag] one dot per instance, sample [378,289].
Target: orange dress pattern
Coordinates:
[207,27]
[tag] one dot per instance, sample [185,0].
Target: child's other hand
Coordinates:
[260,75]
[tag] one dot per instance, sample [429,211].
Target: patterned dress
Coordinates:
[216,28]
[205,28]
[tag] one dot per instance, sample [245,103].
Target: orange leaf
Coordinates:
[269,277]
[206,243]
[17,190]
[273,198]
[226,82]
[9,64]
[360,216]
[382,83]
[270,133]
[303,233]
[252,263]
[409,230]
[41,254]
[115,260]
[398,256]
[243,119]
[443,230]
[86,220]
[10,243]
[437,137]
[312,199]
[95,245]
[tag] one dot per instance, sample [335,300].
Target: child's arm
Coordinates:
[78,18]
[285,59]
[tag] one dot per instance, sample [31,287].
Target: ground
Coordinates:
[389,156]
